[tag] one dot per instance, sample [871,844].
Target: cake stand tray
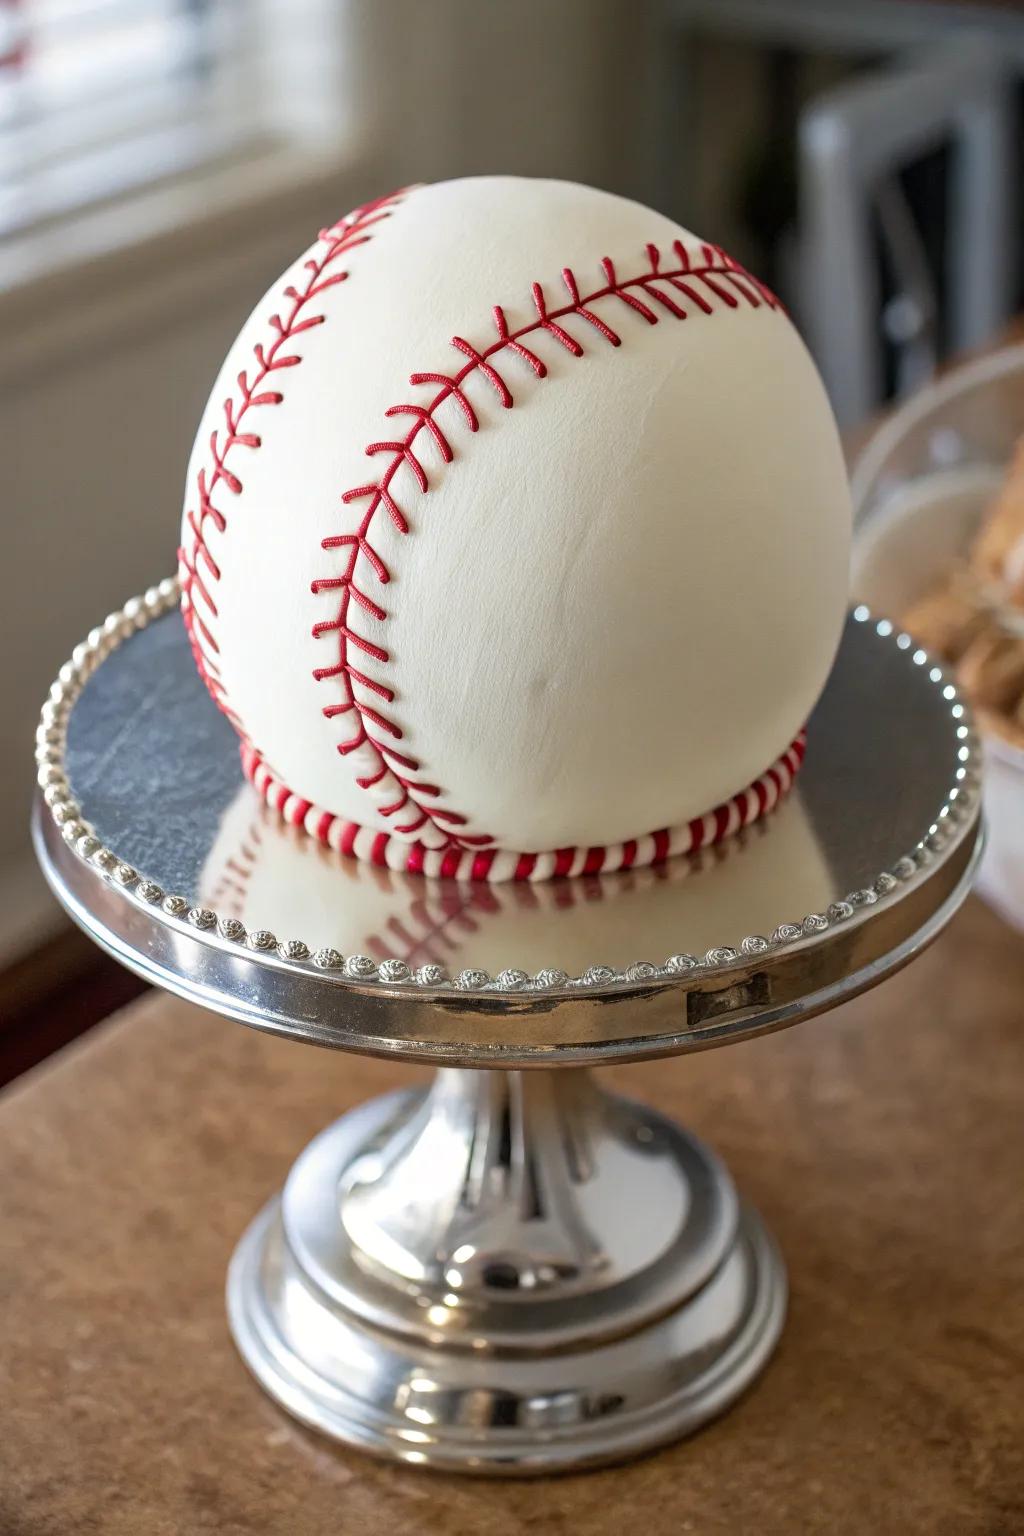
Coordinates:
[511,1271]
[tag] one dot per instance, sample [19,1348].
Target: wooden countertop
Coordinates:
[883,1143]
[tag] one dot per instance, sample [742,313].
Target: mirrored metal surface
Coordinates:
[156,768]
[155,844]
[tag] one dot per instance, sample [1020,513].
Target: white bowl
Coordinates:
[920,487]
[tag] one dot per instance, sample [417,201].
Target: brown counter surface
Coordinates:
[884,1145]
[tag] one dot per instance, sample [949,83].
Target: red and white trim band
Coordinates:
[500,864]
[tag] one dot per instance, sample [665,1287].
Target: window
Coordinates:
[102,97]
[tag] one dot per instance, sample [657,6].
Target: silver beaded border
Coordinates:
[51,737]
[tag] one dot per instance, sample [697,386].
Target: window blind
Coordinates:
[102,97]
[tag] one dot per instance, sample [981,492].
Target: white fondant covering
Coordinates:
[617,604]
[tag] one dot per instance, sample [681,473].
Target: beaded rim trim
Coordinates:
[51,737]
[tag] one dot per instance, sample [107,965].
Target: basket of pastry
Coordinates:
[939,550]
[974,616]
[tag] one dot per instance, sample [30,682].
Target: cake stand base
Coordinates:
[510,1273]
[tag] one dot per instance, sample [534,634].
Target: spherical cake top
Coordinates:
[517,522]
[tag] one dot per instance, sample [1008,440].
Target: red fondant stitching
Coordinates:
[456,863]
[715,280]
[200,572]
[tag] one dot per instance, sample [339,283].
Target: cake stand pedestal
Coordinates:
[511,1271]
[514,1271]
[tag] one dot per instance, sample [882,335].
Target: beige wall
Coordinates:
[538,87]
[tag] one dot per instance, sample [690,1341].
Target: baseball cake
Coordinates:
[515,536]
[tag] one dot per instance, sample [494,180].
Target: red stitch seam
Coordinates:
[705,831]
[717,277]
[199,570]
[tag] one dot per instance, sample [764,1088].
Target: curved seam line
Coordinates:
[374,720]
[199,571]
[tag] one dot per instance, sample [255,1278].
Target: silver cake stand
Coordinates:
[513,1271]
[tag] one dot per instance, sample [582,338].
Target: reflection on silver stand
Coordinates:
[547,1276]
[512,1271]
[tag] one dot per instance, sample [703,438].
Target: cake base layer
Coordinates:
[497,865]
